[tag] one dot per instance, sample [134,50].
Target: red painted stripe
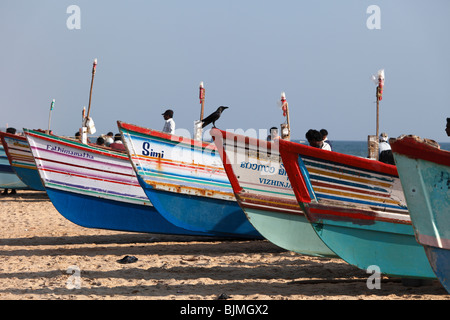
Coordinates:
[414,149]
[318,212]
[340,158]
[165,136]
[84,167]
[340,213]
[88,177]
[174,163]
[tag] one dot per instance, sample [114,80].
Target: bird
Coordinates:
[213,117]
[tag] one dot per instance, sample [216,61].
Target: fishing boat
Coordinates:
[185,181]
[94,186]
[262,189]
[424,171]
[21,160]
[358,209]
[8,178]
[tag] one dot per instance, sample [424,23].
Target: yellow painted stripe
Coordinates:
[351,178]
[24,166]
[275,203]
[160,161]
[356,196]
[179,188]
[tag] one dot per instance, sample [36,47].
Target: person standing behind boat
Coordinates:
[13,191]
[324,134]
[447,128]
[273,134]
[100,141]
[169,125]
[384,150]
[109,139]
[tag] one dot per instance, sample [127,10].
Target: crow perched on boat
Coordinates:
[213,117]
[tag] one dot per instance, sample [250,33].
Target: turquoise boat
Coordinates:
[21,160]
[264,193]
[8,178]
[357,207]
[424,171]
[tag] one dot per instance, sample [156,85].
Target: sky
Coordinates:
[152,56]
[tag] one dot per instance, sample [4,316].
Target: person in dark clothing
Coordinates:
[100,141]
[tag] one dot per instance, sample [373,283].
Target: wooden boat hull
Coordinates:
[424,171]
[263,191]
[357,208]
[95,187]
[8,178]
[186,182]
[21,160]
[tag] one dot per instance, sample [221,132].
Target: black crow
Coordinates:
[213,117]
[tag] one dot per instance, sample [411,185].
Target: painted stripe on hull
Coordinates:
[371,190]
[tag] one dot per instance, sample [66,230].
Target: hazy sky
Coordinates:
[152,56]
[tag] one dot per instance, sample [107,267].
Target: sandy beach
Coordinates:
[43,256]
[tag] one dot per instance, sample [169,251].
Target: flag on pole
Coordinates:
[52,104]
[202,92]
[379,81]
[283,104]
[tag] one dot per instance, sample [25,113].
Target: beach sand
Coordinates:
[42,254]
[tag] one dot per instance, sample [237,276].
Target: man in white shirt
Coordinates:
[169,125]
[384,144]
[384,150]
[324,134]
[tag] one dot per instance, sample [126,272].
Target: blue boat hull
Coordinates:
[220,217]
[92,212]
[30,177]
[440,262]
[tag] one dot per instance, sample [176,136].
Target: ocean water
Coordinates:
[359,148]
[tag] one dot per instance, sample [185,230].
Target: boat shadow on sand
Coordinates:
[25,196]
[227,265]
